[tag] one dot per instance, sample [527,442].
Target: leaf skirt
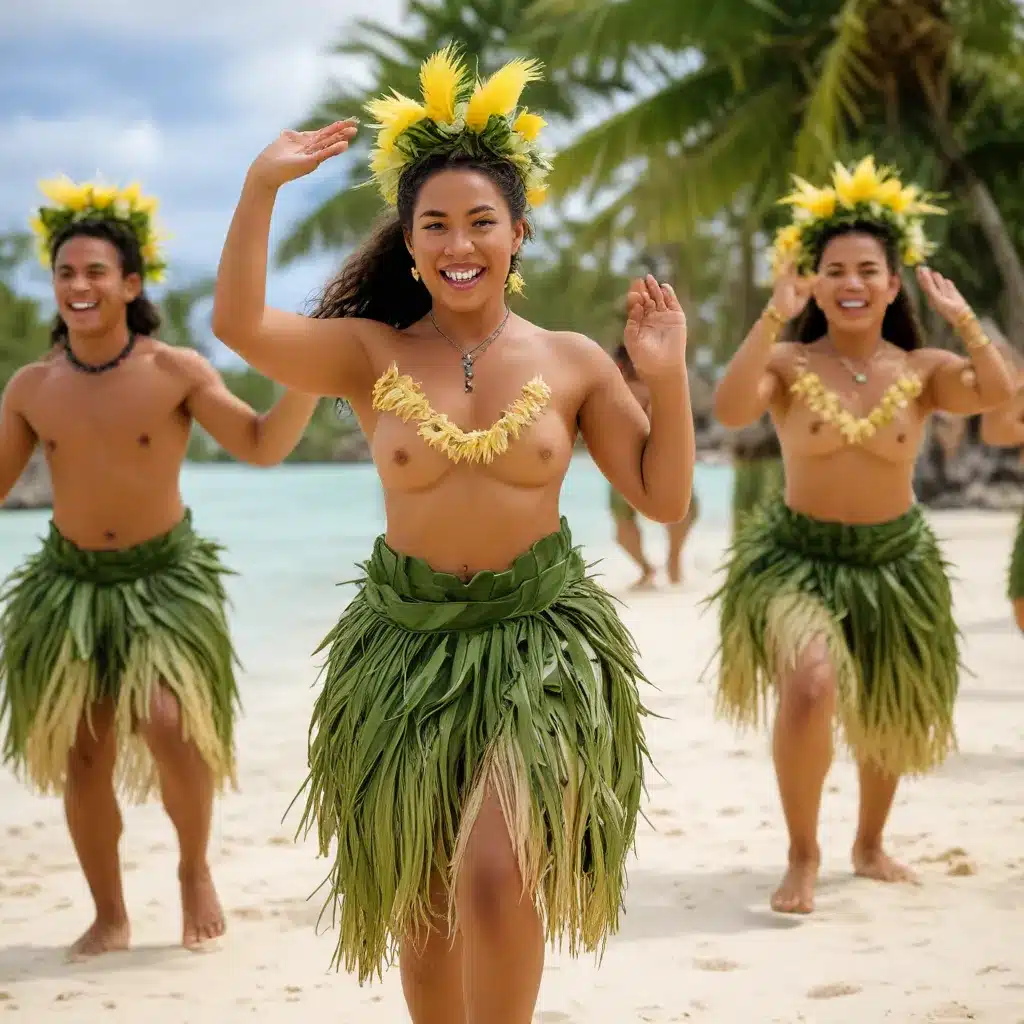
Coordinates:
[878,595]
[81,627]
[1015,584]
[523,681]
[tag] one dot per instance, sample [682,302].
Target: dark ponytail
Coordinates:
[900,326]
[376,282]
[143,318]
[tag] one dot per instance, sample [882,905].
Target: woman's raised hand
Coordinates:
[792,292]
[294,154]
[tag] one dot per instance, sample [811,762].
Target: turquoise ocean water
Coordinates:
[293,533]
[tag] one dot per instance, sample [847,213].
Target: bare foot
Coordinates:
[874,862]
[202,916]
[796,893]
[646,581]
[101,937]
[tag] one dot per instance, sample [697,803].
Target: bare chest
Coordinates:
[509,428]
[826,414]
[130,414]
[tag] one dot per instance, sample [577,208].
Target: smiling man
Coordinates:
[116,658]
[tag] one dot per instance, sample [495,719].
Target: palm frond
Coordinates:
[834,99]
[337,223]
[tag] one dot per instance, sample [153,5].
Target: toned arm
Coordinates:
[649,461]
[259,439]
[320,357]
[17,438]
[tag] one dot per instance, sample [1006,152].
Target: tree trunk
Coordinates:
[993,227]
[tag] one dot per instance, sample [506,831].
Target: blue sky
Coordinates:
[179,96]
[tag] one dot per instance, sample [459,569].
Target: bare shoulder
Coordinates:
[25,381]
[926,361]
[580,352]
[186,364]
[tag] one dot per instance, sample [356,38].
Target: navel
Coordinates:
[144,440]
[465,575]
[109,535]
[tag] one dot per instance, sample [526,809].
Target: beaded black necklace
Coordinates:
[99,367]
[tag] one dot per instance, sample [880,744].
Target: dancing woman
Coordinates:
[836,595]
[476,750]
[1003,427]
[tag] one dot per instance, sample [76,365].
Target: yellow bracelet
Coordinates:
[972,333]
[778,321]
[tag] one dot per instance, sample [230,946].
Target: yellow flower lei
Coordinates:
[865,193]
[400,394]
[89,200]
[829,406]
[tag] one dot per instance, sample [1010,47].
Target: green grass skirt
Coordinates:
[878,595]
[754,481]
[1015,586]
[82,627]
[524,680]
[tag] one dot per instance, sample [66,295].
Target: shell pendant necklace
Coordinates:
[859,376]
[471,356]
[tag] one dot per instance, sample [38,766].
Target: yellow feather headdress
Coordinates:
[459,115]
[865,194]
[71,203]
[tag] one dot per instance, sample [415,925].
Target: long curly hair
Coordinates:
[900,326]
[143,318]
[376,281]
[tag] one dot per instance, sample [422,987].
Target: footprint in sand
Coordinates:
[994,969]
[248,914]
[279,841]
[674,832]
[730,812]
[716,964]
[553,1017]
[833,991]
[31,889]
[949,1012]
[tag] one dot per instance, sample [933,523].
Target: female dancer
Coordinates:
[1004,428]
[627,528]
[837,592]
[476,749]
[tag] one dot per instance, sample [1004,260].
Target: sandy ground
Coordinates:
[697,941]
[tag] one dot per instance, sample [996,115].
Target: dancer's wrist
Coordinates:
[971,333]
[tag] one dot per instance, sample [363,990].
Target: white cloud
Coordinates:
[314,22]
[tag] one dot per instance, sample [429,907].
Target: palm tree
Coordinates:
[737,95]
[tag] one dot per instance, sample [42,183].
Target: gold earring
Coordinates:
[415,273]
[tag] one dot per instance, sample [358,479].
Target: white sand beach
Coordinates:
[697,941]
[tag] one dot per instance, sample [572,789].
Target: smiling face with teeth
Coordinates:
[856,282]
[91,288]
[462,238]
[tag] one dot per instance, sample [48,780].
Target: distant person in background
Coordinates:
[476,756]
[627,526]
[758,474]
[116,663]
[1004,428]
[836,599]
